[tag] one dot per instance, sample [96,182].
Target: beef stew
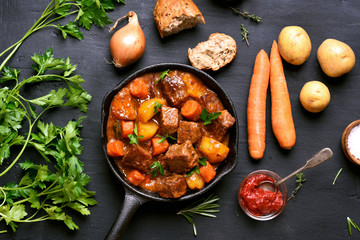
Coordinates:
[166,148]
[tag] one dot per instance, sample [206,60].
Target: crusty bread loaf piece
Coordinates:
[173,16]
[214,53]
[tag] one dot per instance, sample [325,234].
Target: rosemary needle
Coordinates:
[204,207]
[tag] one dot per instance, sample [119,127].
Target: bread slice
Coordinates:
[214,53]
[173,16]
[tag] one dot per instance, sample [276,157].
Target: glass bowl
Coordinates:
[268,216]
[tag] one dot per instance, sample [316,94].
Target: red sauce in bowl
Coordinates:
[258,201]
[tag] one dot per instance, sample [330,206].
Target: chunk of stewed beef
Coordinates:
[173,186]
[181,158]
[175,90]
[188,131]
[212,102]
[169,118]
[218,127]
[137,157]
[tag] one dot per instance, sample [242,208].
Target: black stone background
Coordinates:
[320,209]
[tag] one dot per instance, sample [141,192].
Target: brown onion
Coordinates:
[127,45]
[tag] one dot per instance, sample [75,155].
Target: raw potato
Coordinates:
[335,58]
[147,130]
[146,109]
[213,150]
[294,45]
[314,96]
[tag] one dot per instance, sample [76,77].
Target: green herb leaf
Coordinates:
[202,161]
[350,223]
[162,75]
[245,34]
[72,29]
[205,207]
[9,74]
[337,175]
[134,138]
[157,107]
[155,168]
[246,14]
[300,179]
[207,117]
[162,139]
[194,169]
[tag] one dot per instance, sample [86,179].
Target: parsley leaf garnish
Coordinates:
[162,139]
[157,107]
[207,117]
[194,169]
[202,161]
[162,75]
[155,168]
[134,138]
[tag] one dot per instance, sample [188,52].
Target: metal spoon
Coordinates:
[322,156]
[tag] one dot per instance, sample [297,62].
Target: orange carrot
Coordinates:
[281,115]
[256,111]
[139,88]
[207,172]
[191,110]
[135,177]
[159,146]
[127,127]
[115,148]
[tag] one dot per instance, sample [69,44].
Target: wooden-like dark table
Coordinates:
[320,209]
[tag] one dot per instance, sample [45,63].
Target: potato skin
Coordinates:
[294,45]
[213,150]
[336,58]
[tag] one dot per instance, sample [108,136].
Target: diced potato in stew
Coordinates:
[157,138]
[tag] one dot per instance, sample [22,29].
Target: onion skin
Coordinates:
[127,45]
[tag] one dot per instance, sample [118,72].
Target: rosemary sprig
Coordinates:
[246,14]
[337,175]
[245,33]
[300,179]
[204,207]
[350,223]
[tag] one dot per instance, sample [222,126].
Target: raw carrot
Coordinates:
[281,115]
[127,127]
[139,88]
[135,177]
[191,110]
[115,148]
[159,146]
[256,111]
[207,172]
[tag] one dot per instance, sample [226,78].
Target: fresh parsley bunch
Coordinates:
[46,190]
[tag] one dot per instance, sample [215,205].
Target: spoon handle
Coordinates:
[322,156]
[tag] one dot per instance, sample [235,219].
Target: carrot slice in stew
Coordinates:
[139,88]
[207,172]
[127,127]
[159,146]
[115,148]
[135,177]
[191,110]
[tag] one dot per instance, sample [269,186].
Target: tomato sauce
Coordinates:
[258,201]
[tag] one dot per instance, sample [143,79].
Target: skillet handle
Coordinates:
[131,203]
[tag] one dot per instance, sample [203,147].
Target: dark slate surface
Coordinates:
[320,209]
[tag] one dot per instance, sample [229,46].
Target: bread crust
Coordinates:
[173,16]
[219,50]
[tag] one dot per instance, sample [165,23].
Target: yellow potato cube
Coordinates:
[147,130]
[147,109]
[213,150]
[195,181]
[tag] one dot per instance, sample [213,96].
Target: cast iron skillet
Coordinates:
[135,196]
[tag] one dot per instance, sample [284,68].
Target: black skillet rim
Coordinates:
[227,166]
